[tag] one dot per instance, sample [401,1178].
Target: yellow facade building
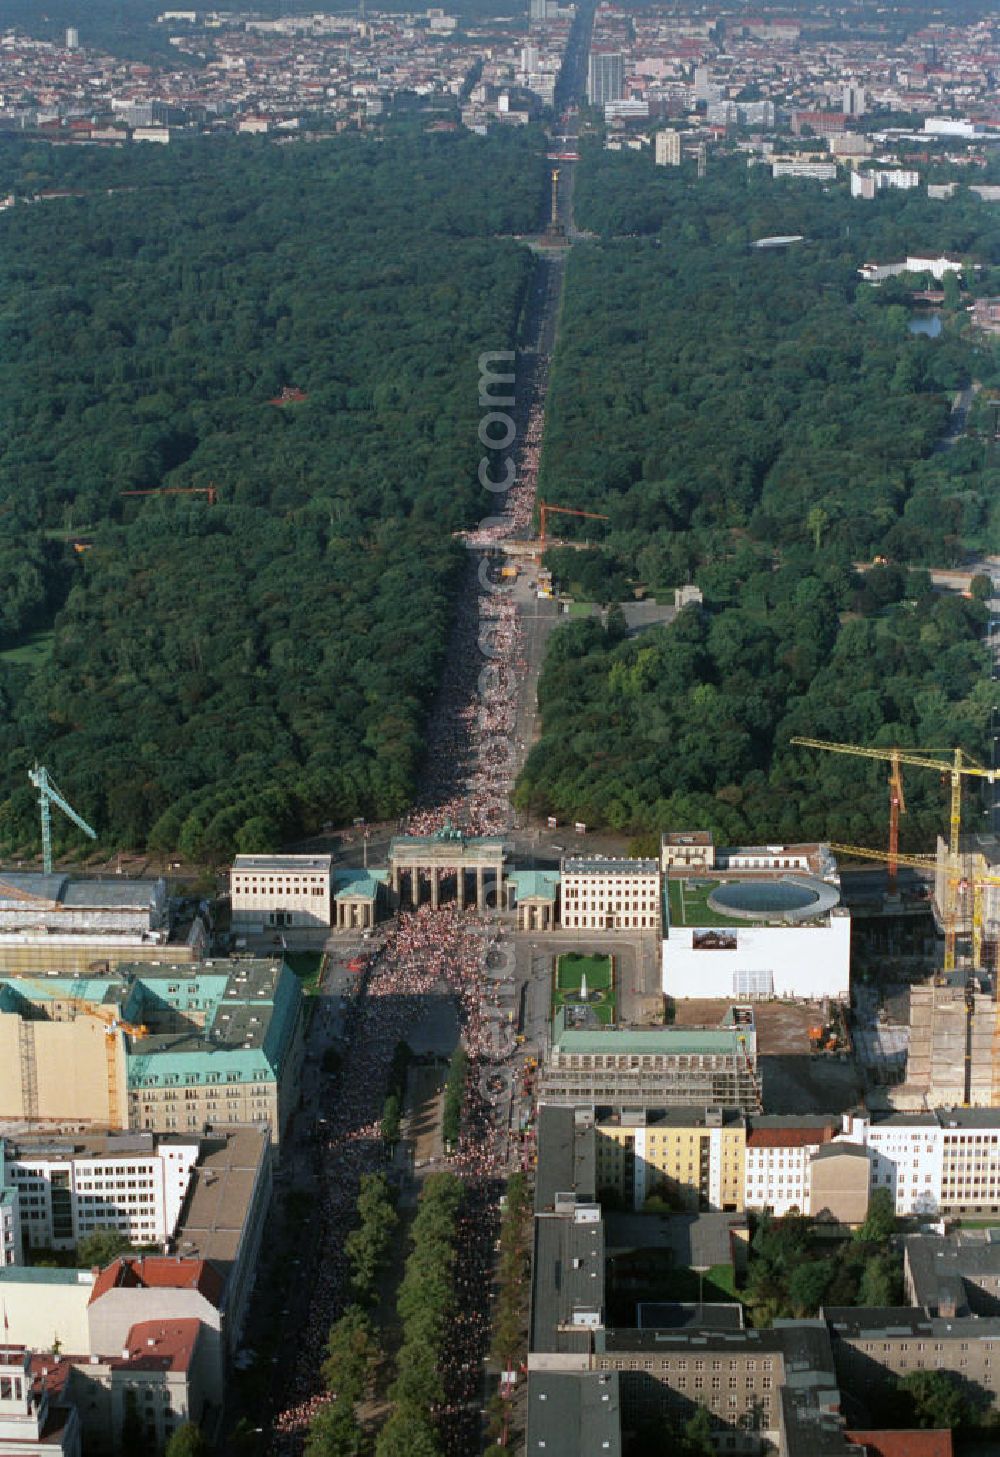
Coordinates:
[693,1159]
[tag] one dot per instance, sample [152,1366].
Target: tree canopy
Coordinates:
[760,423]
[210,678]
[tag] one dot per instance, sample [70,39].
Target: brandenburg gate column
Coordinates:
[435,887]
[415,886]
[460,889]
[480,888]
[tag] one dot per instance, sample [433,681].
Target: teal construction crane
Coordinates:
[49,794]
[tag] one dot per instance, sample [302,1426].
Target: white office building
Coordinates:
[778,1155]
[813,171]
[942,1162]
[763,921]
[66,1188]
[280,891]
[913,263]
[867,185]
[599,894]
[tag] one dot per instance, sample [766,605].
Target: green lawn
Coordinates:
[572,966]
[651,1275]
[32,652]
[689,907]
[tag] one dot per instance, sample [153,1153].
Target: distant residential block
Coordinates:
[668,149]
[813,171]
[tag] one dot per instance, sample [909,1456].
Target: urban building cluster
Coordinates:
[238,72]
[153,1048]
[935,1164]
[819,98]
[158,1331]
[780,1389]
[144,1090]
[820,72]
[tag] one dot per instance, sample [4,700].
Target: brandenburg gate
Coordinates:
[445,852]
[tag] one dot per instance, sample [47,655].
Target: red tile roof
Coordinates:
[898,1443]
[159,1345]
[162,1272]
[788,1137]
[53,1372]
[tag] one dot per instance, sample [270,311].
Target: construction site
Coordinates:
[926,1019]
[161,1048]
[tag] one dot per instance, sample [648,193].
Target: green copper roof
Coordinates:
[707,1041]
[359,882]
[43,1275]
[67,988]
[527,883]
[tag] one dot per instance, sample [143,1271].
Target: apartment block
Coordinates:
[693,1161]
[779,1153]
[668,149]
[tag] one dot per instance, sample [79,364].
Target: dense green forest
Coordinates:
[205,676]
[759,422]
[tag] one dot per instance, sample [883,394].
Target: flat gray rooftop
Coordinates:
[567,1158]
[567,1277]
[282,864]
[218,1197]
[574,1414]
[599,865]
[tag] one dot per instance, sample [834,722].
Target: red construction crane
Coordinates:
[207,491]
[545,511]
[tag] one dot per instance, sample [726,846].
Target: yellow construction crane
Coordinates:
[954,762]
[957,764]
[918,862]
[114,1025]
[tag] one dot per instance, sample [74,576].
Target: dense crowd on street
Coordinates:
[467,785]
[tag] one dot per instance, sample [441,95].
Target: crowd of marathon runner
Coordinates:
[472,730]
[424,952]
[471,765]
